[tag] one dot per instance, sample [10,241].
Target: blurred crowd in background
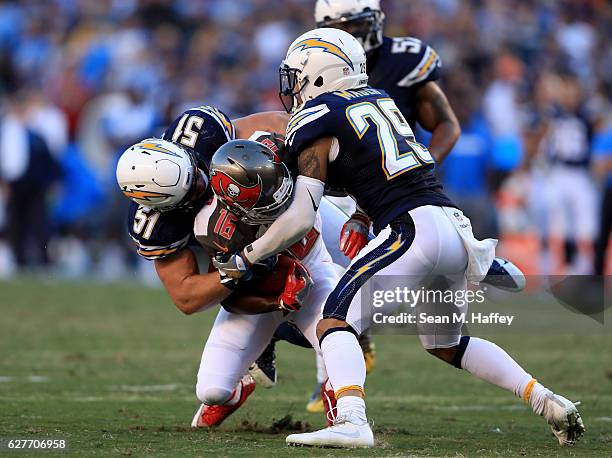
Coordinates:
[82,79]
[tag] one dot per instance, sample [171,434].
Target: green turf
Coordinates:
[121,365]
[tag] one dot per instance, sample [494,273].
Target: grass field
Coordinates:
[111,369]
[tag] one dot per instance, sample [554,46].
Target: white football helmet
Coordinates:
[159,174]
[361,18]
[319,61]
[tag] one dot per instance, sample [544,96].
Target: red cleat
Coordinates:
[328,396]
[207,416]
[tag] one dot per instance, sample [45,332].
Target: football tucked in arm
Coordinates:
[261,294]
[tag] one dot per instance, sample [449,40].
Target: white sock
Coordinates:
[343,360]
[535,394]
[321,372]
[489,362]
[538,397]
[353,408]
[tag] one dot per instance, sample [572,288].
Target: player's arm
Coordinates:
[190,290]
[299,218]
[269,121]
[435,114]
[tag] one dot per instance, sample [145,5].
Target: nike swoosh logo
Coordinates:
[312,200]
[354,435]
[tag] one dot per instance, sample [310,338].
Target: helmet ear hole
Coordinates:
[319,82]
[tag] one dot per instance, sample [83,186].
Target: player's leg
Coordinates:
[263,369]
[559,220]
[481,358]
[343,320]
[484,359]
[582,201]
[489,362]
[325,275]
[332,220]
[334,213]
[234,342]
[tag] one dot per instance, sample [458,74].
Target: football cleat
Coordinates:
[207,416]
[505,275]
[369,351]
[263,370]
[346,432]
[564,419]
[315,403]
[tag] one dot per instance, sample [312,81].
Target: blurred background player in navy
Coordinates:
[569,194]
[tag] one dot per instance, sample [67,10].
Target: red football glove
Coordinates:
[297,286]
[354,235]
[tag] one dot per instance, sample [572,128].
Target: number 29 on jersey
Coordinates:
[390,126]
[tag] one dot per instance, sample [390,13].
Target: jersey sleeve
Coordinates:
[273,141]
[158,235]
[202,129]
[307,125]
[420,63]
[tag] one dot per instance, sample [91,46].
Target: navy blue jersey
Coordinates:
[378,161]
[568,140]
[159,234]
[400,66]
[203,130]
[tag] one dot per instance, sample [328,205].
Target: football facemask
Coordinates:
[289,78]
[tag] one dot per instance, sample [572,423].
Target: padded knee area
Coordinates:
[213,396]
[445,354]
[328,331]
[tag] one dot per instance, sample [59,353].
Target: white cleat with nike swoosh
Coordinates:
[343,433]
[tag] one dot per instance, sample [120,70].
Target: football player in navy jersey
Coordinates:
[570,195]
[166,175]
[351,136]
[407,70]
[164,237]
[203,130]
[168,190]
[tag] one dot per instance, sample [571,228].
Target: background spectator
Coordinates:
[29,170]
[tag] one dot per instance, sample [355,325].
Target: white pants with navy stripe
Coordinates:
[333,218]
[424,247]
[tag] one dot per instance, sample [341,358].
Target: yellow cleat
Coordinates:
[315,406]
[315,403]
